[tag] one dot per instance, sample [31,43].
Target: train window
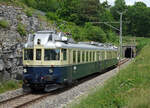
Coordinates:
[93,56]
[87,56]
[64,52]
[90,56]
[38,54]
[52,54]
[97,56]
[103,55]
[74,56]
[28,54]
[78,56]
[83,56]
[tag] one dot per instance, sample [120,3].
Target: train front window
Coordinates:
[52,54]
[38,54]
[64,52]
[28,54]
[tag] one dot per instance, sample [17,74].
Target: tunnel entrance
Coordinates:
[129,53]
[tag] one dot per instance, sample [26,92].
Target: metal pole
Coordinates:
[120,35]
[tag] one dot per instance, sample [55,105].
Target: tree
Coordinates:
[79,11]
[120,6]
[138,16]
[94,33]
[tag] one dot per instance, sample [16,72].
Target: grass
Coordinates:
[21,29]
[4,24]
[129,89]
[10,85]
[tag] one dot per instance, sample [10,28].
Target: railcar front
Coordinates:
[42,68]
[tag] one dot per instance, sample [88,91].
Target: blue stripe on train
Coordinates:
[35,73]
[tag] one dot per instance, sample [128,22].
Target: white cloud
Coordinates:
[128,2]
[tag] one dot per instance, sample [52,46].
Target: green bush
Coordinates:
[30,3]
[29,13]
[4,24]
[21,29]
[112,37]
[9,85]
[94,33]
[52,16]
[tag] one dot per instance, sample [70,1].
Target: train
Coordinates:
[51,60]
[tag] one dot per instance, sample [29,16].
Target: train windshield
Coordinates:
[38,54]
[28,54]
[52,54]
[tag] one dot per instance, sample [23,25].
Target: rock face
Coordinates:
[11,42]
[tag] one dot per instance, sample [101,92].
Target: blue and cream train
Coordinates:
[51,60]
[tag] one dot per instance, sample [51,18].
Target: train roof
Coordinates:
[50,39]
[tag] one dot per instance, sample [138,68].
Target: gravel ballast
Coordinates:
[11,94]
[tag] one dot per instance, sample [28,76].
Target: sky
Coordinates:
[129,2]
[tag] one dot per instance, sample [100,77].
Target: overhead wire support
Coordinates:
[120,30]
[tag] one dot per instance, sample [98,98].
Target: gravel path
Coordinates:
[61,100]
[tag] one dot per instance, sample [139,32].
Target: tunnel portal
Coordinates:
[129,53]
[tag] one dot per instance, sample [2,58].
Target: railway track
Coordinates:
[123,61]
[22,101]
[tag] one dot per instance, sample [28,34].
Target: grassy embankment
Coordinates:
[129,88]
[10,85]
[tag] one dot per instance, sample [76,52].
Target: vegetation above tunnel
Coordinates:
[75,16]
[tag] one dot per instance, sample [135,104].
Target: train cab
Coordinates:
[42,61]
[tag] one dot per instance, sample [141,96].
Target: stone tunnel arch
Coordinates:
[129,53]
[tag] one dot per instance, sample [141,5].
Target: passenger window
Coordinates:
[64,52]
[38,54]
[78,56]
[28,54]
[52,54]
[74,56]
[100,54]
[83,56]
[87,56]
[93,56]
[90,56]
[97,56]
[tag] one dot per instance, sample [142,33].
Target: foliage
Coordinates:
[126,89]
[21,29]
[112,37]
[79,11]
[9,85]
[94,33]
[4,24]
[29,12]
[120,6]
[138,17]
[52,16]
[44,5]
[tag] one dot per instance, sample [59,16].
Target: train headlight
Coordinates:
[25,70]
[50,70]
